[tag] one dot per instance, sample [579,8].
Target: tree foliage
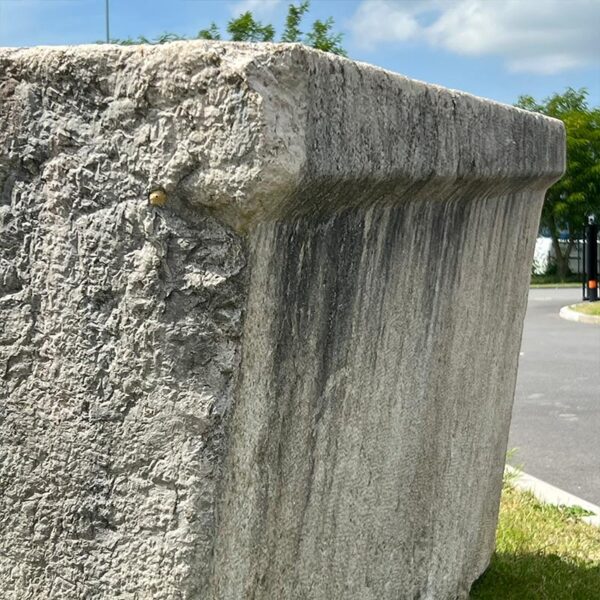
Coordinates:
[321,37]
[295,14]
[246,28]
[212,33]
[577,195]
[164,38]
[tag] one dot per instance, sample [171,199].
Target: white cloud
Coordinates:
[530,35]
[378,21]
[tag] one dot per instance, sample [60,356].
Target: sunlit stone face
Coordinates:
[295,379]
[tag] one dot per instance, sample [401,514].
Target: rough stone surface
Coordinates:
[293,380]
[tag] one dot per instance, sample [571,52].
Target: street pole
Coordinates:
[106,12]
[591,260]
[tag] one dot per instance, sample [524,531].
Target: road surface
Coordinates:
[556,415]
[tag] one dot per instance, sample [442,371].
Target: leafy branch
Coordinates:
[245,28]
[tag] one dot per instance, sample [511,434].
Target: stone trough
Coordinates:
[260,316]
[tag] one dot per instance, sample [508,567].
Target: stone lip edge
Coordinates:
[260,49]
[567,313]
[506,150]
[550,494]
[464,140]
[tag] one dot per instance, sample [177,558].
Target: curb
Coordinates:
[552,495]
[566,312]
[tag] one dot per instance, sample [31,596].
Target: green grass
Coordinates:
[587,308]
[554,285]
[543,552]
[572,280]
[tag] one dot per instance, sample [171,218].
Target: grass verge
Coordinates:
[554,285]
[587,308]
[543,552]
[572,280]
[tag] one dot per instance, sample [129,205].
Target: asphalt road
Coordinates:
[556,415]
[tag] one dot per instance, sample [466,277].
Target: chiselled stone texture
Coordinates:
[288,377]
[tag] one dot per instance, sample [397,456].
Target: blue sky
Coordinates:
[493,48]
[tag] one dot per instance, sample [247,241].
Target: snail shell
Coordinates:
[157,197]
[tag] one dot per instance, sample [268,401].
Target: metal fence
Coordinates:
[588,260]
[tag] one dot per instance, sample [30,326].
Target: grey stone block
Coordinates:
[292,380]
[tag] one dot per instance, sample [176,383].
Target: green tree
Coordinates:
[246,29]
[322,38]
[292,31]
[577,194]
[212,33]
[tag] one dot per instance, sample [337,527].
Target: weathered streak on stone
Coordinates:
[368,441]
[294,379]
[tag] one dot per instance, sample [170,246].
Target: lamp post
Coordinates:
[591,259]
[107,14]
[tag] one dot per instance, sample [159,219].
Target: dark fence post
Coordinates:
[591,260]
